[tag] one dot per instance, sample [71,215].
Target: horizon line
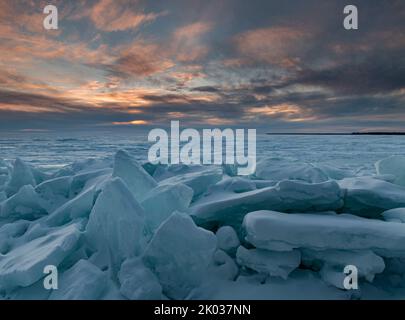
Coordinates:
[392,133]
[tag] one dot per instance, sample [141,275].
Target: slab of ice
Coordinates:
[33,292]
[385,177]
[273,263]
[3,182]
[9,233]
[4,165]
[286,196]
[89,179]
[282,232]
[395,266]
[25,204]
[24,265]
[150,168]
[40,176]
[179,254]
[281,169]
[84,281]
[234,184]
[163,172]
[394,215]
[54,187]
[369,197]
[134,175]
[335,173]
[367,262]
[394,165]
[116,225]
[83,166]
[223,266]
[163,200]
[21,175]
[199,181]
[333,276]
[227,239]
[138,282]
[336,277]
[78,207]
[3,196]
[260,184]
[54,192]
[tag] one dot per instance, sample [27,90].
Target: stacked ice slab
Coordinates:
[116,229]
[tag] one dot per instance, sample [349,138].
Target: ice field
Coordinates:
[117,227]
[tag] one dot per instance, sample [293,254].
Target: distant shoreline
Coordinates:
[380,133]
[336,134]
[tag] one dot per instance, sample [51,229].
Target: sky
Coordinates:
[274,65]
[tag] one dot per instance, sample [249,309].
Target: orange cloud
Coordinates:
[110,15]
[141,59]
[191,31]
[28,47]
[187,43]
[218,121]
[95,94]
[274,45]
[285,111]
[187,73]
[133,122]
[27,108]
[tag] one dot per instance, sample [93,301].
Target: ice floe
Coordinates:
[137,179]
[369,197]
[227,239]
[229,208]
[273,263]
[84,281]
[394,215]
[138,282]
[116,225]
[179,254]
[163,200]
[25,204]
[395,166]
[277,231]
[21,175]
[23,265]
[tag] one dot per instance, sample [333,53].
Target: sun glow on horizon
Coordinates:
[133,122]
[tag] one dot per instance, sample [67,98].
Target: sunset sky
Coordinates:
[276,65]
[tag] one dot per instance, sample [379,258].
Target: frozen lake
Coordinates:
[287,232]
[52,150]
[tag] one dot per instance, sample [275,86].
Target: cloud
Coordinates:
[258,63]
[286,111]
[274,45]
[191,31]
[185,74]
[205,89]
[187,42]
[375,75]
[111,15]
[141,59]
[132,123]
